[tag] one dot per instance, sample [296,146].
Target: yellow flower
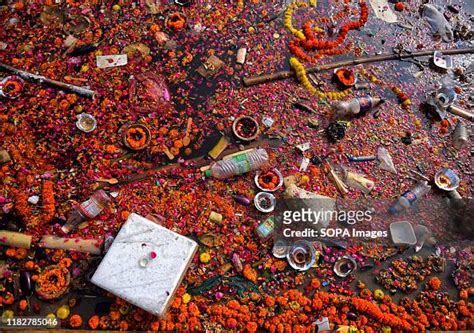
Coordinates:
[304,179]
[63,312]
[116,8]
[51,317]
[7,314]
[186,298]
[288,18]
[294,305]
[205,257]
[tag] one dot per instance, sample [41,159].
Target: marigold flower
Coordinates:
[435,283]
[75,321]
[93,322]
[22,305]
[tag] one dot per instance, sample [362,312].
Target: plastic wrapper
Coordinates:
[385,160]
[358,181]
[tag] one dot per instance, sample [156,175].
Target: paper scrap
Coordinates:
[304,147]
[304,164]
[323,324]
[113,60]
[268,122]
[383,11]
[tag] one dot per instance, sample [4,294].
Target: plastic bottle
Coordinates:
[409,198]
[359,105]
[460,137]
[238,164]
[266,228]
[87,210]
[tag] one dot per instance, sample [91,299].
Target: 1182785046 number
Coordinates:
[29,322]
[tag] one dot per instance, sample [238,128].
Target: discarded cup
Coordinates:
[265,202]
[245,128]
[11,87]
[280,249]
[344,266]
[269,181]
[447,179]
[301,255]
[402,233]
[86,122]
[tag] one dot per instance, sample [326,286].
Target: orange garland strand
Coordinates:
[310,43]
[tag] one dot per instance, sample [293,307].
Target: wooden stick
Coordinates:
[199,162]
[15,239]
[41,79]
[72,244]
[282,75]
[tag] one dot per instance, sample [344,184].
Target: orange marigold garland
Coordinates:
[288,17]
[306,39]
[48,207]
[53,282]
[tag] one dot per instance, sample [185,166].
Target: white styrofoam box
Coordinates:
[123,272]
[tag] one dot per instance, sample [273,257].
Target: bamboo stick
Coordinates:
[75,244]
[282,75]
[41,79]
[15,239]
[461,112]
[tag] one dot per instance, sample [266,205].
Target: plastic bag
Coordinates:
[385,160]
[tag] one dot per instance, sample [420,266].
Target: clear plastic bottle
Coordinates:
[87,210]
[238,164]
[355,106]
[409,198]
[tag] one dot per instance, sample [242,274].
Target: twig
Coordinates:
[199,162]
[41,79]
[282,75]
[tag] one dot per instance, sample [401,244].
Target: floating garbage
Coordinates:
[265,202]
[411,197]
[447,180]
[245,128]
[155,262]
[86,122]
[402,233]
[438,23]
[241,55]
[238,164]
[301,256]
[459,137]
[11,87]
[92,246]
[344,266]
[356,106]
[113,60]
[269,181]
